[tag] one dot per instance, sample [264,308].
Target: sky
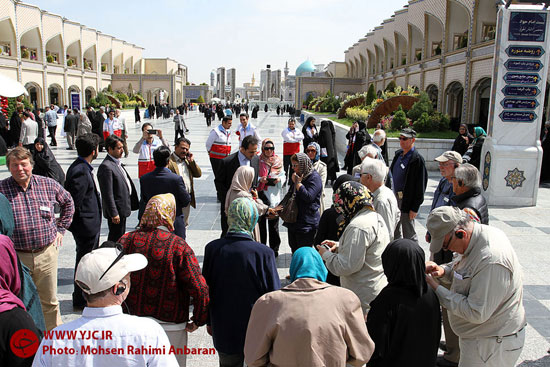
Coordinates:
[242,34]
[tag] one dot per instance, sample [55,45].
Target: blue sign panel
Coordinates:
[192,93]
[527,26]
[519,104]
[518,116]
[517,91]
[523,65]
[525,51]
[75,101]
[520,78]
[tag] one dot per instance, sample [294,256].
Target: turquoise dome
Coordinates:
[305,67]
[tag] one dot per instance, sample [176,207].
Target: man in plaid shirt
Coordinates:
[38,234]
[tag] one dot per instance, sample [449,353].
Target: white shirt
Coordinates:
[292,136]
[124,173]
[128,335]
[250,130]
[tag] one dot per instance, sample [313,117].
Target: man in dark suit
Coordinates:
[246,156]
[117,189]
[80,184]
[164,181]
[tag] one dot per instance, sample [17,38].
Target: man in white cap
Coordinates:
[104,336]
[485,299]
[443,196]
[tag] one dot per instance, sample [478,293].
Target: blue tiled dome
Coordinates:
[305,67]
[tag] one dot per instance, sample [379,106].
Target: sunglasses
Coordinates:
[403,138]
[120,251]
[311,151]
[269,148]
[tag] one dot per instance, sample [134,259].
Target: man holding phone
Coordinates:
[149,142]
[183,164]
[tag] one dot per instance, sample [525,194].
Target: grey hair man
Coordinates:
[369,150]
[485,299]
[373,176]
[379,137]
[467,188]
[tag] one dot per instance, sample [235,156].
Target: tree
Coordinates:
[371,95]
[200,99]
[423,105]
[399,119]
[390,87]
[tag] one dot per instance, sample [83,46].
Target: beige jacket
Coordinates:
[307,323]
[358,262]
[194,170]
[486,295]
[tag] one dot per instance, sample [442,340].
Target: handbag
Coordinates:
[289,212]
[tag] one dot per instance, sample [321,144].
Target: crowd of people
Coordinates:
[359,291]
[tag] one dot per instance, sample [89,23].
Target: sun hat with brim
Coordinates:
[93,265]
[441,221]
[449,156]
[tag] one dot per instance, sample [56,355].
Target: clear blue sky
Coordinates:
[243,34]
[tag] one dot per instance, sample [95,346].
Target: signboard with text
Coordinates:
[75,100]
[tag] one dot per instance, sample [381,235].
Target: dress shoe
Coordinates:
[443,345]
[442,362]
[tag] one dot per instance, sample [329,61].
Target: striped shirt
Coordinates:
[33,210]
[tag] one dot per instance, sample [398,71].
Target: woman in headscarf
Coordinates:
[45,163]
[241,187]
[40,122]
[310,131]
[84,125]
[463,139]
[308,187]
[270,190]
[327,139]
[328,225]
[307,323]
[313,151]
[473,154]
[364,236]
[404,320]
[15,126]
[162,290]
[238,271]
[137,115]
[361,138]
[13,315]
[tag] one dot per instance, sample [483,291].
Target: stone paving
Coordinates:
[528,229]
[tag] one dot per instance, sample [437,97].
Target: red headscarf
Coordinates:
[269,165]
[10,283]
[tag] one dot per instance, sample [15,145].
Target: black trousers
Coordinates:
[231,360]
[52,130]
[178,132]
[286,166]
[274,238]
[84,245]
[116,230]
[297,239]
[208,121]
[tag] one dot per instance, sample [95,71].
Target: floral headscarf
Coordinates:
[304,163]
[350,198]
[317,150]
[160,211]
[275,162]
[242,216]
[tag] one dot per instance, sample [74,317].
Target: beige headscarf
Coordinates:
[240,185]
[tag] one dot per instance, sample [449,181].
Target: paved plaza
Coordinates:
[528,229]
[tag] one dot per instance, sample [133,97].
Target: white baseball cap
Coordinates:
[104,267]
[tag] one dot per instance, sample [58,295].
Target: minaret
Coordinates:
[286,70]
[253,80]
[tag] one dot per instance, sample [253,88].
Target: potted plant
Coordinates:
[419,56]
[49,58]
[103,68]
[70,62]
[404,61]
[25,53]
[438,50]
[87,65]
